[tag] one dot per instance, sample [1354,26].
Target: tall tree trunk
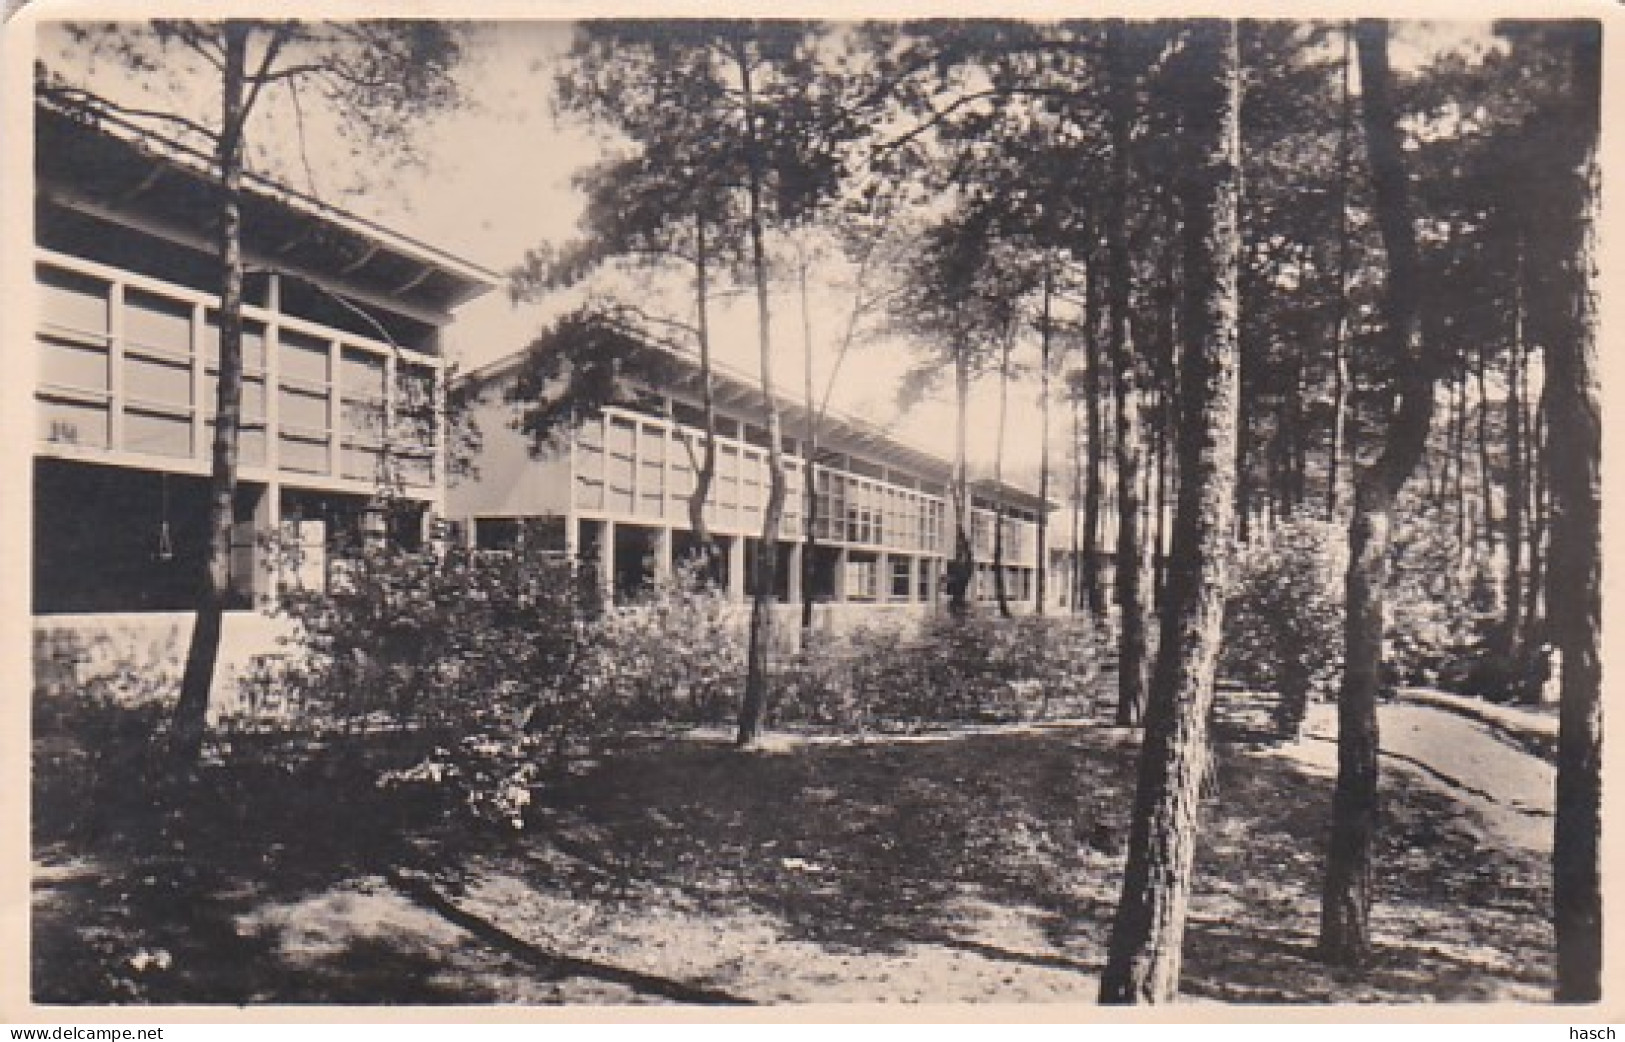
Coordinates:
[1486,473]
[1075,588]
[1000,592]
[753,711]
[1345,932]
[706,474]
[962,568]
[1512,583]
[190,720]
[1093,593]
[1144,952]
[1131,555]
[1459,451]
[1564,318]
[1539,524]
[809,473]
[1042,587]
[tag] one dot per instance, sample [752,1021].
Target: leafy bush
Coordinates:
[1283,627]
[1444,606]
[677,655]
[476,659]
[952,669]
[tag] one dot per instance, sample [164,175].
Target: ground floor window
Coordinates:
[923,577]
[781,570]
[686,552]
[901,578]
[862,577]
[821,575]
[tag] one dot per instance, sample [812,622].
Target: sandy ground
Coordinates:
[979,868]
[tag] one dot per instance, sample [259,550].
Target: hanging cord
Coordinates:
[166,546]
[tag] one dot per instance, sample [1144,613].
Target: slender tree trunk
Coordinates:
[1144,952]
[1131,549]
[1042,587]
[1539,524]
[706,474]
[1564,318]
[1093,591]
[753,711]
[809,474]
[999,591]
[963,566]
[190,720]
[1512,583]
[1345,932]
[1075,589]
[1486,473]
[1460,453]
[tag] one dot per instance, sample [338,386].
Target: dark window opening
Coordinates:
[111,539]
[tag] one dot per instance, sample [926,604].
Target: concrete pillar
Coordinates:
[915,563]
[840,575]
[663,545]
[606,560]
[736,568]
[883,578]
[794,564]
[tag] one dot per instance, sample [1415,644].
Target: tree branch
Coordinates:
[279,36]
[78,96]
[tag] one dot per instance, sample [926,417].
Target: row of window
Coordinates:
[636,467]
[1017,543]
[120,369]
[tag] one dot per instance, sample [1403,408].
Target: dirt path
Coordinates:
[1509,791]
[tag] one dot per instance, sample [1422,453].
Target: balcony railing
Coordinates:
[129,368]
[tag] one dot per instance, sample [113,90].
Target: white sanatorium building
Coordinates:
[343,366]
[617,495]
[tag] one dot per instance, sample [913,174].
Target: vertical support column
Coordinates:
[440,459]
[736,567]
[200,382]
[267,524]
[335,409]
[115,367]
[915,563]
[391,469]
[883,592]
[606,560]
[797,548]
[840,575]
[663,552]
[273,380]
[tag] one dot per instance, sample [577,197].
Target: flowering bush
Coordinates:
[1283,626]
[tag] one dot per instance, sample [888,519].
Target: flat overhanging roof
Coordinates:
[94,159]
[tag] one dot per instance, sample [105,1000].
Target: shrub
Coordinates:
[676,655]
[1444,605]
[952,669]
[1283,627]
[475,659]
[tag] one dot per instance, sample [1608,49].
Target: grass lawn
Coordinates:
[976,866]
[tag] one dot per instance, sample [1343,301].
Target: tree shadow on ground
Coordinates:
[274,885]
[878,847]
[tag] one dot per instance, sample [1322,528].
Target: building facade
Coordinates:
[342,378]
[615,495]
